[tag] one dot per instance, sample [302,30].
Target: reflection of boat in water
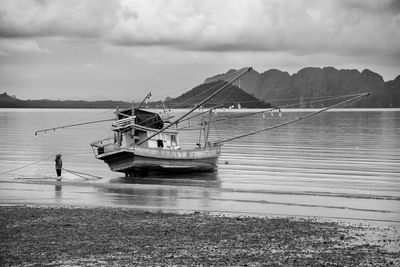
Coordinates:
[193,179]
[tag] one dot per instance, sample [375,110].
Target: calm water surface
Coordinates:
[342,164]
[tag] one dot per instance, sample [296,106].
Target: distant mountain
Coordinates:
[260,90]
[88,98]
[232,95]
[278,87]
[392,89]
[7,101]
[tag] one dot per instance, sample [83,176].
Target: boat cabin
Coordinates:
[141,125]
[135,125]
[135,134]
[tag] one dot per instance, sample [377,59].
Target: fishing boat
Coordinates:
[139,146]
[143,141]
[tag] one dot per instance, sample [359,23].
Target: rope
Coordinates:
[208,110]
[285,106]
[190,98]
[314,97]
[30,164]
[82,173]
[215,102]
[221,81]
[221,77]
[270,109]
[357,98]
[36,162]
[242,72]
[324,98]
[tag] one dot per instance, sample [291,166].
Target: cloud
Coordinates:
[41,18]
[348,27]
[21,45]
[352,27]
[3,54]
[89,66]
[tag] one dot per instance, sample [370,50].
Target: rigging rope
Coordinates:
[241,73]
[222,79]
[295,120]
[203,92]
[210,80]
[30,164]
[43,159]
[336,97]
[286,106]
[82,173]
[208,110]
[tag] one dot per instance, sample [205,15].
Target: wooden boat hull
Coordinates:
[136,159]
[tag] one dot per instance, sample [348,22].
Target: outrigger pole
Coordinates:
[297,119]
[71,125]
[243,72]
[90,122]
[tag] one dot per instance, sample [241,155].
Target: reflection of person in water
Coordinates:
[58,166]
[58,191]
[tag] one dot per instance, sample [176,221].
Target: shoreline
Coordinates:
[244,110]
[345,220]
[77,235]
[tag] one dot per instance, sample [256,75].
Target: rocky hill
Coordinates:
[6,99]
[261,90]
[281,88]
[231,95]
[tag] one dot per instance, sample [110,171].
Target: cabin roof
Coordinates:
[144,118]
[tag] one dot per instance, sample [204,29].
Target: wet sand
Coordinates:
[67,235]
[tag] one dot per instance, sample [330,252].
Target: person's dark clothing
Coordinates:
[58,165]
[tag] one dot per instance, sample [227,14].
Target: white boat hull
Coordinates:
[136,159]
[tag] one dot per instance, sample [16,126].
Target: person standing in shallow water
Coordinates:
[58,166]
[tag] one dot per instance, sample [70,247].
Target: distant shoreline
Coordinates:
[221,110]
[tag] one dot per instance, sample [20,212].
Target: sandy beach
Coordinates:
[67,235]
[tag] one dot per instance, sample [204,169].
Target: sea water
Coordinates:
[341,164]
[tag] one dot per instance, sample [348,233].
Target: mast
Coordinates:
[145,99]
[207,129]
[243,72]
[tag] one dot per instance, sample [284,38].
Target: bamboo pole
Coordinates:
[71,125]
[297,119]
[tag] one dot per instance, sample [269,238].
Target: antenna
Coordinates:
[145,99]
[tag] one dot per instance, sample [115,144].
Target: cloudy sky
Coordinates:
[122,50]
